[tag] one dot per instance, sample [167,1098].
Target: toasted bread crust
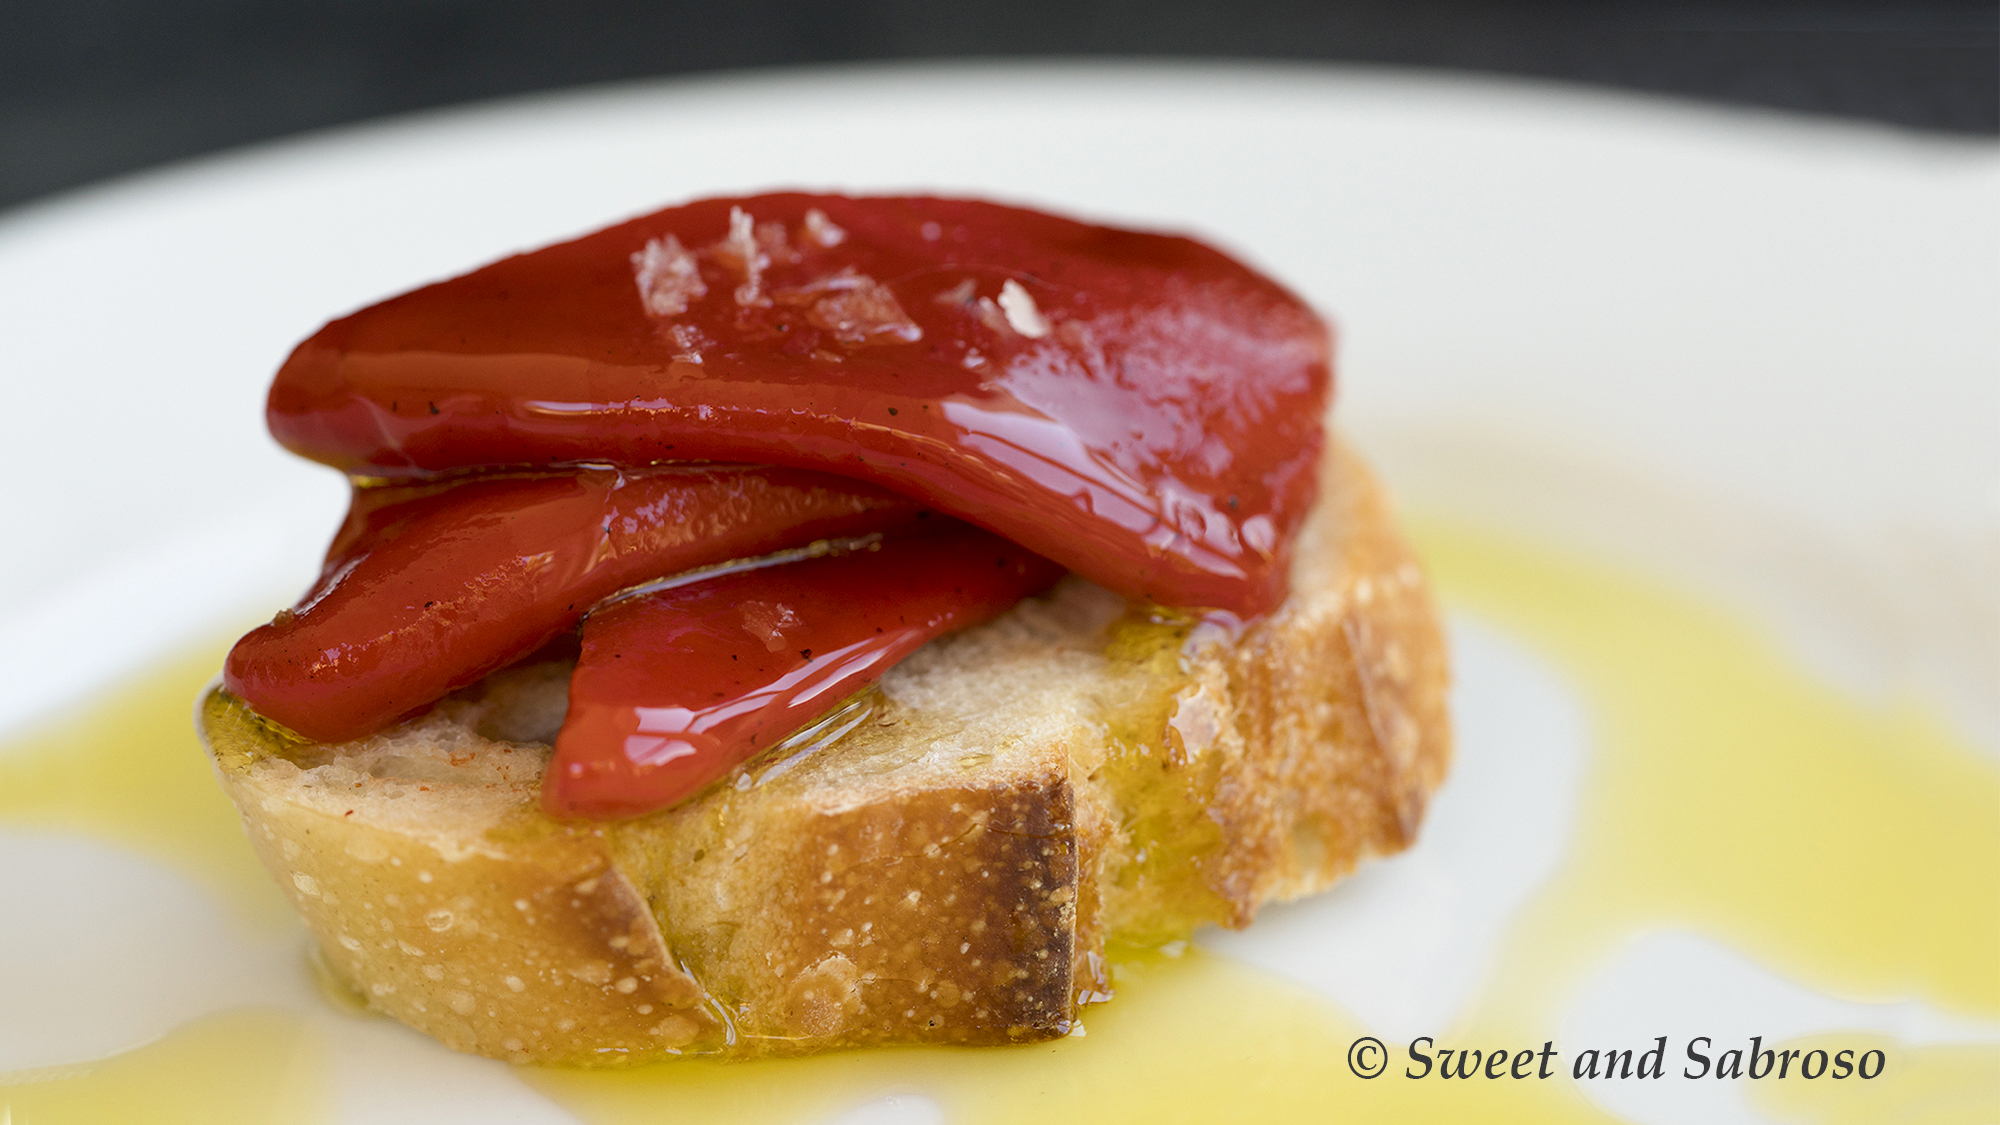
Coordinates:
[1340,702]
[946,868]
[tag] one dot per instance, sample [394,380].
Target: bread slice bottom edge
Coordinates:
[941,860]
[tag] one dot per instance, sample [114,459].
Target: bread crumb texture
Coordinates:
[942,860]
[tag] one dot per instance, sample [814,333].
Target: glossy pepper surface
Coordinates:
[1137,407]
[427,588]
[674,689]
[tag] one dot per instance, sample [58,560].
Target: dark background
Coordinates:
[93,88]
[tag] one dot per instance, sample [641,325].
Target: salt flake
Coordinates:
[688,342]
[856,308]
[821,230]
[1022,315]
[668,276]
[741,250]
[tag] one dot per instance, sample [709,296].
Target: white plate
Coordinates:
[1754,353]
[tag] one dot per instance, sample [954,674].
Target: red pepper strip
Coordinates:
[429,588]
[675,689]
[1138,407]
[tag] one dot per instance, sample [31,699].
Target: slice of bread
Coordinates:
[941,860]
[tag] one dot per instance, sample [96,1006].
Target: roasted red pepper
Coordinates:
[674,689]
[430,587]
[1138,407]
